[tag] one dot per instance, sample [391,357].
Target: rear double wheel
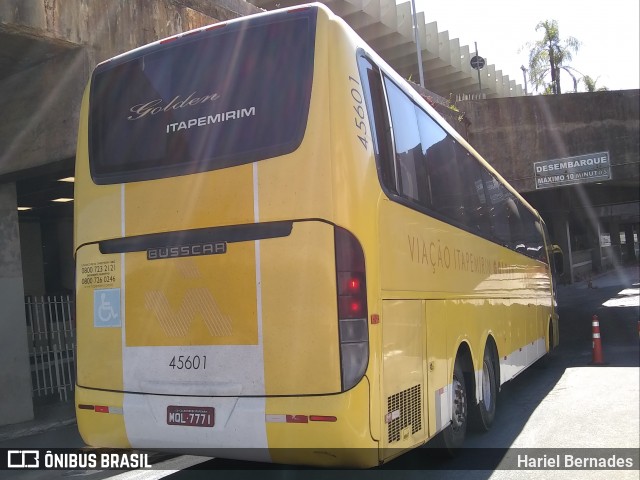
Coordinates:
[483,413]
[453,436]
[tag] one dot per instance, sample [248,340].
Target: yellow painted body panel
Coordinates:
[299,342]
[104,369]
[403,351]
[343,442]
[472,289]
[97,214]
[106,430]
[187,301]
[437,360]
[190,201]
[98,217]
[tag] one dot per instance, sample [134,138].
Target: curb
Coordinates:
[19,431]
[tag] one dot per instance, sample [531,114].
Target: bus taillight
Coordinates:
[352,307]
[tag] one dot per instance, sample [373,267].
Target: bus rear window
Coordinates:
[225,97]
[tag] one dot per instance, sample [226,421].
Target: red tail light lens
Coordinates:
[352,307]
[350,283]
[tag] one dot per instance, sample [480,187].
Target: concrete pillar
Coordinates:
[614,232]
[32,262]
[562,238]
[596,249]
[16,404]
[629,243]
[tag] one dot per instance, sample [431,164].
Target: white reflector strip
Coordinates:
[286,418]
[107,409]
[275,418]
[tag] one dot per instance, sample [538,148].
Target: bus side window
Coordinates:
[472,192]
[419,161]
[504,213]
[379,121]
[411,173]
[434,153]
[515,224]
[532,234]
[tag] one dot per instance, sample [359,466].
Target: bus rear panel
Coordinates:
[220,308]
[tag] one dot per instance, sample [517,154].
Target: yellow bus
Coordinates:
[284,254]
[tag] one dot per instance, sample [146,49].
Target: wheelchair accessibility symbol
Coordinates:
[106,308]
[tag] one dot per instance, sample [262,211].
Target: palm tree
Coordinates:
[590,84]
[547,57]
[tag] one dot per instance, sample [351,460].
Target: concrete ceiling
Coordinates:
[388,28]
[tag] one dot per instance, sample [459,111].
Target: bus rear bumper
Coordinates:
[328,430]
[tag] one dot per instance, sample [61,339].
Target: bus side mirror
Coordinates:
[558,259]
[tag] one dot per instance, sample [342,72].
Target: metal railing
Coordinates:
[461,97]
[52,336]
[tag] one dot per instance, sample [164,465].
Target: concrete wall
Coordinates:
[15,375]
[32,262]
[41,108]
[65,253]
[115,26]
[513,133]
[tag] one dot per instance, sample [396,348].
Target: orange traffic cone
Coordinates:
[597,344]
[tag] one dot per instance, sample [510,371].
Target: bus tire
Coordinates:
[483,413]
[452,437]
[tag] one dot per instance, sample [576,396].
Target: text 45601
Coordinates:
[188,362]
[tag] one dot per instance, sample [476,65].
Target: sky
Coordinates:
[608,32]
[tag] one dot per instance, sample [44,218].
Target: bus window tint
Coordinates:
[434,171]
[434,151]
[532,235]
[225,98]
[436,174]
[409,160]
[471,193]
[378,120]
[502,208]
[448,181]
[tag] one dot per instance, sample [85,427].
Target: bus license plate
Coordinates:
[190,416]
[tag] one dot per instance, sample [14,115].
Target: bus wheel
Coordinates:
[484,412]
[453,435]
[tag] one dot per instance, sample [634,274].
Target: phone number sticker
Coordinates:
[98,274]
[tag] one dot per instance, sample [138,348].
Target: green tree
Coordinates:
[549,56]
[590,84]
